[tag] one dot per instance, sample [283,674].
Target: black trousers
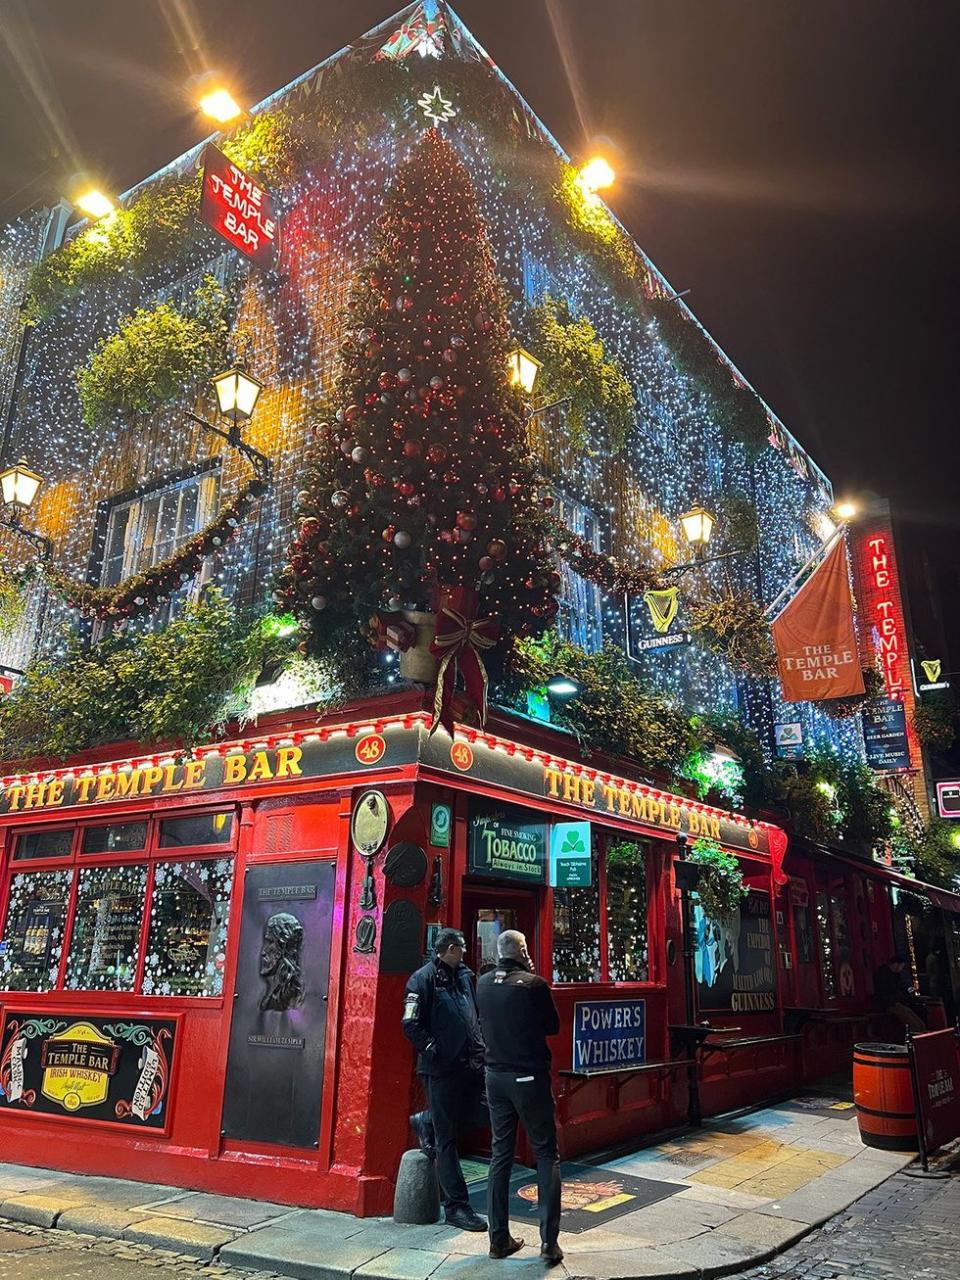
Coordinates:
[517,1097]
[456,1103]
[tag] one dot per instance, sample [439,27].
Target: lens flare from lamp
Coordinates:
[596,174]
[846,510]
[220,105]
[94,203]
[237,394]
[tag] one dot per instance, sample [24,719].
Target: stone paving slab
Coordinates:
[224,1211]
[195,1238]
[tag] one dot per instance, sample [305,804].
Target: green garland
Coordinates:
[606,572]
[144,592]
[575,367]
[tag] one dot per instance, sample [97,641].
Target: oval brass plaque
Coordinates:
[370,823]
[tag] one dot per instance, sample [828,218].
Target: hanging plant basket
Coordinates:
[720,884]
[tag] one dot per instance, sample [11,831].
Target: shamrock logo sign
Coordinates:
[573,843]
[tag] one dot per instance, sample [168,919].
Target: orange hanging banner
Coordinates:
[814,637]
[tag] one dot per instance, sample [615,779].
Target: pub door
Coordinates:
[489,909]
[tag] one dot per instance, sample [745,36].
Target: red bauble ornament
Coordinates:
[498,494]
[351,412]
[386,380]
[485,564]
[466,520]
[405,487]
[497,548]
[411,448]
[388,533]
[437,454]
[370,398]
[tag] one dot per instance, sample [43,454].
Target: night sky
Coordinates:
[792,162]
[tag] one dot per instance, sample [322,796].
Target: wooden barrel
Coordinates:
[883,1093]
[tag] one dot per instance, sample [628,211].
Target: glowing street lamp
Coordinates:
[697,525]
[524,369]
[94,203]
[20,486]
[237,394]
[596,174]
[219,104]
[846,510]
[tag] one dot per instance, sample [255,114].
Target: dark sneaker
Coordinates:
[422,1126]
[504,1250]
[551,1253]
[466,1219]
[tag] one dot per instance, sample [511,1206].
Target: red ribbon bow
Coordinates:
[461,637]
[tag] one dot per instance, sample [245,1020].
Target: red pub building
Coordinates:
[312,860]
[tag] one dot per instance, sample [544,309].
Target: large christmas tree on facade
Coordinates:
[420,494]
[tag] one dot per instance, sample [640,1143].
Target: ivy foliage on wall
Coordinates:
[155,356]
[735,627]
[174,685]
[613,713]
[575,366]
[935,719]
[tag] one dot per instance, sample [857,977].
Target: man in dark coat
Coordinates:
[517,1014]
[441,1021]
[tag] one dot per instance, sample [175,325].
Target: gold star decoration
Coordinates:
[436,107]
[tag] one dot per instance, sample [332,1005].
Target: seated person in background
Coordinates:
[894,996]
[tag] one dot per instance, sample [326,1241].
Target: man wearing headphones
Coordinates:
[441,1021]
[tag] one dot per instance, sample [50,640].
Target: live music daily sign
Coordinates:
[238,208]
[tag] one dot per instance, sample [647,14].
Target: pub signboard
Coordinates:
[733,959]
[507,843]
[89,1067]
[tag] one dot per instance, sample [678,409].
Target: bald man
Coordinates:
[517,1014]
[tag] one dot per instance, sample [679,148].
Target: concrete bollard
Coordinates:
[417,1198]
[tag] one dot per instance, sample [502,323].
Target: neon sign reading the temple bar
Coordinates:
[886,617]
[238,208]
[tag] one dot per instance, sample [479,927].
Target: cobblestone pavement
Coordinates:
[905,1229]
[36,1253]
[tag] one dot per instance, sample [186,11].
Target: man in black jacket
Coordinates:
[440,1020]
[517,1014]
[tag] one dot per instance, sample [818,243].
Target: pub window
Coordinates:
[186,949]
[198,829]
[148,529]
[826,946]
[626,862]
[576,929]
[43,844]
[120,837]
[581,602]
[33,934]
[105,942]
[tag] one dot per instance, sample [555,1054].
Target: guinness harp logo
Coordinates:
[931,669]
[662,606]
